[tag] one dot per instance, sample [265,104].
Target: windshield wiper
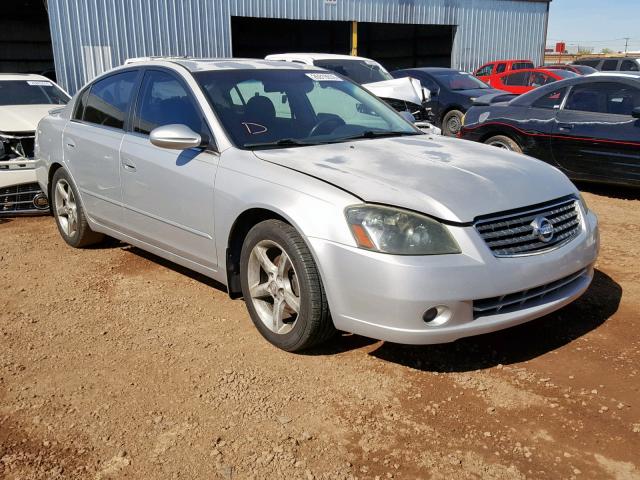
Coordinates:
[377,134]
[284,142]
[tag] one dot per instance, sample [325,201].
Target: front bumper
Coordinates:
[385,296]
[19,191]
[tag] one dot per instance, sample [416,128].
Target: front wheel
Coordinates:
[501,141]
[69,212]
[282,287]
[452,123]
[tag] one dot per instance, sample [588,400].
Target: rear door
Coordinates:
[168,194]
[91,143]
[595,133]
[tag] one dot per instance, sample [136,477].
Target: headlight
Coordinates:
[398,232]
[584,204]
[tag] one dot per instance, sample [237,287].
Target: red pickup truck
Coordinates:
[501,66]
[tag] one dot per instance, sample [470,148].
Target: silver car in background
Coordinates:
[315,201]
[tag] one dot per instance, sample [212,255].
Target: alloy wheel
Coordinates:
[273,286]
[66,208]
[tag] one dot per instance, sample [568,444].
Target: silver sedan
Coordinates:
[315,201]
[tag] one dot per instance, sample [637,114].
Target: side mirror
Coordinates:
[635,113]
[175,136]
[408,116]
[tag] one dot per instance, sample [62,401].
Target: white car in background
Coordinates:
[403,94]
[24,100]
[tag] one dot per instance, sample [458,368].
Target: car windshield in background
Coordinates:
[459,80]
[360,71]
[285,108]
[31,92]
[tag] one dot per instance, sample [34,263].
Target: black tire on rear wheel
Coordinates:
[452,123]
[82,235]
[502,141]
[312,324]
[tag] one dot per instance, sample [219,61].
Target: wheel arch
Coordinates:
[239,230]
[55,166]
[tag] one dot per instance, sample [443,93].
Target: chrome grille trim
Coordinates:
[18,199]
[512,235]
[518,300]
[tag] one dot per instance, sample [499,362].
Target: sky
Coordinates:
[595,24]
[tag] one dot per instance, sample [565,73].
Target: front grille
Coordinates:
[514,234]
[526,298]
[18,199]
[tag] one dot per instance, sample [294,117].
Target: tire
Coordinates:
[295,279]
[69,212]
[452,123]
[501,141]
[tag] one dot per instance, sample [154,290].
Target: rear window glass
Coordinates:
[630,66]
[609,65]
[521,65]
[550,101]
[517,79]
[109,100]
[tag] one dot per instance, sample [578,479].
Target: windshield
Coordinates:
[360,71]
[268,108]
[31,92]
[453,80]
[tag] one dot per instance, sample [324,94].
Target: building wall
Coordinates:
[90,37]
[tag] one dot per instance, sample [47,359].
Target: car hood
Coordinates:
[405,89]
[23,118]
[451,179]
[478,92]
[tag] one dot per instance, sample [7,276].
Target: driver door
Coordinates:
[168,194]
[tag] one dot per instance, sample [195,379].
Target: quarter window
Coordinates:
[630,66]
[604,97]
[109,99]
[550,101]
[165,101]
[80,105]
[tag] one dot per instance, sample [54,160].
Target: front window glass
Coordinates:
[484,71]
[165,101]
[31,92]
[453,80]
[109,99]
[610,65]
[360,71]
[604,97]
[501,68]
[264,108]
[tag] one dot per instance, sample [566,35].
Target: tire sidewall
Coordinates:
[267,231]
[513,145]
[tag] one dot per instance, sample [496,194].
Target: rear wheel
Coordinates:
[452,123]
[69,212]
[282,287]
[501,141]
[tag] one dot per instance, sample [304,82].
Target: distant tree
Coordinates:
[606,51]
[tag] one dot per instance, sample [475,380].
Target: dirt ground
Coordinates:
[117,364]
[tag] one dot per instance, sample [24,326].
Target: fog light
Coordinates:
[40,201]
[430,315]
[436,316]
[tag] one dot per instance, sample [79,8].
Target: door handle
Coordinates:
[565,126]
[127,165]
[70,144]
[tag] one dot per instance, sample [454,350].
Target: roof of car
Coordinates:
[206,64]
[634,75]
[433,69]
[22,76]
[315,56]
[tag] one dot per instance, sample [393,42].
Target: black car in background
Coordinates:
[589,127]
[452,94]
[579,69]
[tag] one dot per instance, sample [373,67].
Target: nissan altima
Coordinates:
[314,201]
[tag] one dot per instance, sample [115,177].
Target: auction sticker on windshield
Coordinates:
[35,83]
[324,77]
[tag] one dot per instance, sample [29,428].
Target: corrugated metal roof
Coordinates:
[90,36]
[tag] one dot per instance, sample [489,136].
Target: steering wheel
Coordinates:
[325,126]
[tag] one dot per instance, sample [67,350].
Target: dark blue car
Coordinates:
[452,94]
